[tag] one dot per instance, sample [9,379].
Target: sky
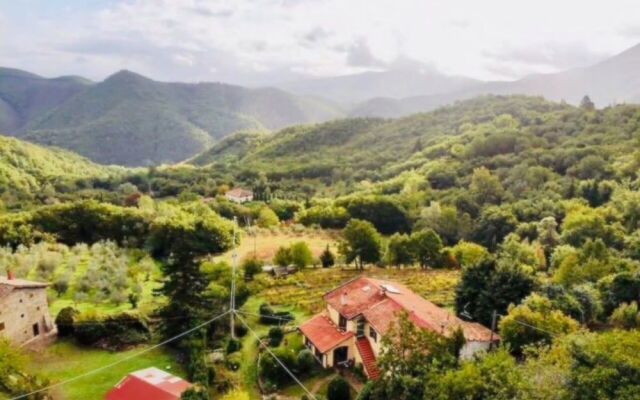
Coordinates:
[262,42]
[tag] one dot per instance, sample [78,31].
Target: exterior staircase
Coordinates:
[368,358]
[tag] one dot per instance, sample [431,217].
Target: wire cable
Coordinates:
[137,354]
[254,333]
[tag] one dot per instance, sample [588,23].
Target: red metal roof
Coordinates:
[323,333]
[149,384]
[380,302]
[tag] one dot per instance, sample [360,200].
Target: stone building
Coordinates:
[24,311]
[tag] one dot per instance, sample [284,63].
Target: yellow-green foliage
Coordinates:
[26,167]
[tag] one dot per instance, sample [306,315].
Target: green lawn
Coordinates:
[64,360]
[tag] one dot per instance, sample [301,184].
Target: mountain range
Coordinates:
[614,80]
[131,120]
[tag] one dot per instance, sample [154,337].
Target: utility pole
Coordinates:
[232,305]
[494,320]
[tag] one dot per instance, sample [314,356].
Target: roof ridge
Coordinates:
[355,278]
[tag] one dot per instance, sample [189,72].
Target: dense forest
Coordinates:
[536,203]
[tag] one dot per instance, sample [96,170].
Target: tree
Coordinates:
[267,218]
[426,247]
[338,389]
[485,187]
[197,392]
[587,104]
[282,256]
[493,376]
[626,316]
[494,224]
[362,243]
[275,336]
[400,250]
[468,253]
[548,236]
[251,267]
[301,255]
[605,365]
[386,214]
[486,287]
[534,322]
[327,259]
[409,355]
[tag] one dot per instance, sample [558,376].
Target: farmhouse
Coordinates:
[239,195]
[149,384]
[361,312]
[24,311]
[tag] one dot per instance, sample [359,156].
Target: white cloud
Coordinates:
[262,41]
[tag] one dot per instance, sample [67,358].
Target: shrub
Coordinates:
[626,316]
[251,267]
[113,331]
[338,389]
[271,370]
[306,361]
[65,320]
[233,345]
[327,259]
[275,336]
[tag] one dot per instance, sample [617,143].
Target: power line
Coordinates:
[255,334]
[138,354]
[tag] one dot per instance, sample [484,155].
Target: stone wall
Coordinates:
[25,315]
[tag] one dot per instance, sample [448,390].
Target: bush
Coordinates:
[306,361]
[113,331]
[339,389]
[65,320]
[626,316]
[272,371]
[327,259]
[233,345]
[270,317]
[275,336]
[240,329]
[251,266]
[196,392]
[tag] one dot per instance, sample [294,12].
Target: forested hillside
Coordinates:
[27,169]
[25,96]
[132,120]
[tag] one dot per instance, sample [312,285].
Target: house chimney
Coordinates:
[343,299]
[10,276]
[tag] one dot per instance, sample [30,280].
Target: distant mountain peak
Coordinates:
[126,75]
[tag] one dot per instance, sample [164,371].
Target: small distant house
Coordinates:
[149,384]
[239,195]
[362,311]
[24,311]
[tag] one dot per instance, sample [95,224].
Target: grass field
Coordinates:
[265,243]
[64,360]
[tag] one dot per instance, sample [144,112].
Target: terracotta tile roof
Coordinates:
[323,333]
[380,302]
[149,384]
[355,297]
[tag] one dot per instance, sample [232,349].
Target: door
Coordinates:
[36,329]
[360,328]
[340,355]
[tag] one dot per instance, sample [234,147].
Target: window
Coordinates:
[342,323]
[36,329]
[1,326]
[21,315]
[373,334]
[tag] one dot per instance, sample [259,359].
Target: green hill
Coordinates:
[131,120]
[25,96]
[371,148]
[26,168]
